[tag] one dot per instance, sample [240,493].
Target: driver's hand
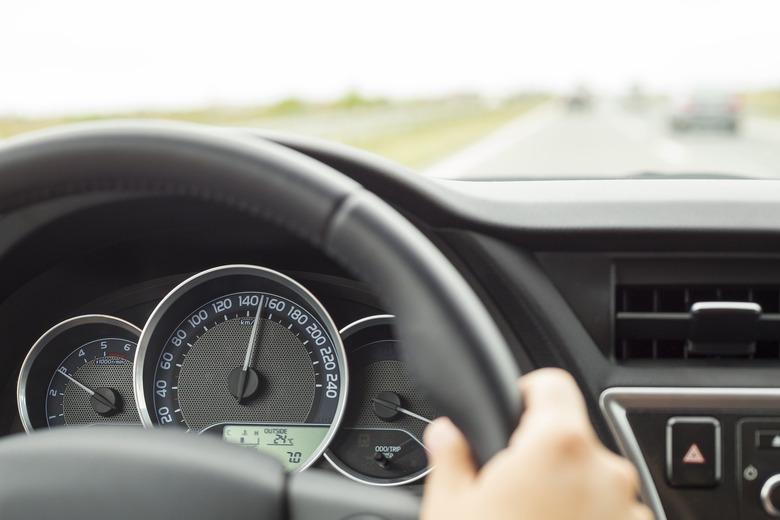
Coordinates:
[555,468]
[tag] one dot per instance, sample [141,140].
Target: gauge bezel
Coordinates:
[382,323]
[31,362]
[198,289]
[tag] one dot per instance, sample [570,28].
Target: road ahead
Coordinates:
[610,141]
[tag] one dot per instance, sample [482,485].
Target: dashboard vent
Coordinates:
[654,322]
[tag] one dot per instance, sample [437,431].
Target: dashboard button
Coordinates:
[770,495]
[768,440]
[693,451]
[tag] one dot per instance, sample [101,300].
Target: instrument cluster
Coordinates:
[249,355]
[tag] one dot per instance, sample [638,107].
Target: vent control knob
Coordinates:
[770,495]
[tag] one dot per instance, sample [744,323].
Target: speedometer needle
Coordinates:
[103,398]
[401,409]
[249,350]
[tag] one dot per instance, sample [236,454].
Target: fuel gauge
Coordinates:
[380,439]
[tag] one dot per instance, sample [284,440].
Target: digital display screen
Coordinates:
[291,445]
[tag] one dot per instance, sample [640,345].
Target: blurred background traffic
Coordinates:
[489,89]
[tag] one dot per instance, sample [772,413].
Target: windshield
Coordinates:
[468,90]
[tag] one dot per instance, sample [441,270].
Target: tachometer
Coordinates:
[79,373]
[248,354]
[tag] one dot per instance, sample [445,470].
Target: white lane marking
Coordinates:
[763,128]
[630,126]
[671,151]
[504,138]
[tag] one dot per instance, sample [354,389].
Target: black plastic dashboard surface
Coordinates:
[542,255]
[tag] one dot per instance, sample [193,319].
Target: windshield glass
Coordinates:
[473,90]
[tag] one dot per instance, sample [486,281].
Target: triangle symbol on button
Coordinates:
[693,455]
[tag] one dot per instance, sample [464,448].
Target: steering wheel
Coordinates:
[447,336]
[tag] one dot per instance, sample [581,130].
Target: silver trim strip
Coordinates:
[615,403]
[364,323]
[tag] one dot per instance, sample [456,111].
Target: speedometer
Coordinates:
[248,354]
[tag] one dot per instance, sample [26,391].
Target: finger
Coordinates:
[641,512]
[551,394]
[450,456]
[625,473]
[552,388]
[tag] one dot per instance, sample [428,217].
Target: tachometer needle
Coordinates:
[108,405]
[87,390]
[249,350]
[401,409]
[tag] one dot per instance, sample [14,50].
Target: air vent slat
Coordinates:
[653,322]
[660,325]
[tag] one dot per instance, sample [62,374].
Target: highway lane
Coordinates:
[611,141]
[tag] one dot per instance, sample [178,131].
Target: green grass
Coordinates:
[424,144]
[435,129]
[763,103]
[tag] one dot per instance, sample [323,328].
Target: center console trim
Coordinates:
[616,402]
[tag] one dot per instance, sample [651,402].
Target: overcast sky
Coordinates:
[80,56]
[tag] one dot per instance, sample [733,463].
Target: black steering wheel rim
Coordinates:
[447,336]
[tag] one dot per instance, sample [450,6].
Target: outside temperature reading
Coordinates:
[291,445]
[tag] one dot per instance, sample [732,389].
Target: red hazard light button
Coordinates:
[693,451]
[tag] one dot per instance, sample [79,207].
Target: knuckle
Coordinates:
[625,473]
[631,474]
[553,380]
[644,513]
[571,440]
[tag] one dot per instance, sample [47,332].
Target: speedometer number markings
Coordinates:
[174,357]
[236,357]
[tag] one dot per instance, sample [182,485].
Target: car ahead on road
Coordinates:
[177,276]
[706,109]
[580,99]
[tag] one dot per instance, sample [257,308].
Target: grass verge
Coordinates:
[422,145]
[765,103]
[430,130]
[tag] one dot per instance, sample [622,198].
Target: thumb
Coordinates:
[450,456]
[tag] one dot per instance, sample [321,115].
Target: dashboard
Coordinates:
[98,303]
[596,277]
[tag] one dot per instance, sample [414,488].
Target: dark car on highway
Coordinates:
[708,109]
